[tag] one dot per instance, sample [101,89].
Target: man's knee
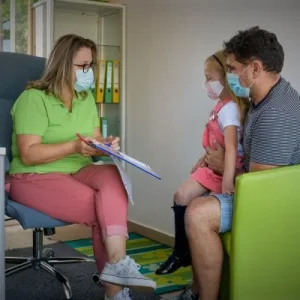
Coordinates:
[181,196]
[203,214]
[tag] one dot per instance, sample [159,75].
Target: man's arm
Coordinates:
[276,136]
[260,167]
[215,159]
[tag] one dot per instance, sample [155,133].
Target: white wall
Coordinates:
[167,43]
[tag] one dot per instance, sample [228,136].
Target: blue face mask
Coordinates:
[84,81]
[234,83]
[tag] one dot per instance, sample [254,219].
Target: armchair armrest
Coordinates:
[265,237]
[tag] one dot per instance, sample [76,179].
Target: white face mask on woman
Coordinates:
[214,89]
[84,80]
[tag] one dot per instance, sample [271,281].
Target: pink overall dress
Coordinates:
[213,132]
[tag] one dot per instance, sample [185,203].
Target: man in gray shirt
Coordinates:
[271,139]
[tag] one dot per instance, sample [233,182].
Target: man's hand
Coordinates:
[200,163]
[215,158]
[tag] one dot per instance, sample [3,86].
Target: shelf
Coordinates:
[103,23]
[112,46]
[87,7]
[107,103]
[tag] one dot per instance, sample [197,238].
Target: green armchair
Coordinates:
[262,252]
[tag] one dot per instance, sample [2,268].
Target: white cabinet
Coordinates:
[104,23]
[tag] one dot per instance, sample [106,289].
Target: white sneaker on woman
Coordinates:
[126,273]
[122,295]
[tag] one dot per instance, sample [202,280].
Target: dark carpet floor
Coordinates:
[39,285]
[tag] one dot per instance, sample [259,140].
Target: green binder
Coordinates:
[108,82]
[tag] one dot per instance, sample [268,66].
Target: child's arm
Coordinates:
[231,144]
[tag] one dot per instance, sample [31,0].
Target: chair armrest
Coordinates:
[265,243]
[267,202]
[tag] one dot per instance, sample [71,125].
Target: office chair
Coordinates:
[16,71]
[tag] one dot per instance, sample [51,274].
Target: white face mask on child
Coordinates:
[213,89]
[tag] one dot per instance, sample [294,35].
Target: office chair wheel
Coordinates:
[96,278]
[48,252]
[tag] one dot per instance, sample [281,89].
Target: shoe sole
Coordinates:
[137,283]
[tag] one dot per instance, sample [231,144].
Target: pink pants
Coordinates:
[94,196]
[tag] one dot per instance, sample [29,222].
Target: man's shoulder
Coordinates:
[287,92]
[285,100]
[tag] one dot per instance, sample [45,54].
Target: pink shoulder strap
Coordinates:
[220,104]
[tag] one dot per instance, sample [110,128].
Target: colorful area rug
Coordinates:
[149,255]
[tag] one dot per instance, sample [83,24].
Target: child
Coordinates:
[224,127]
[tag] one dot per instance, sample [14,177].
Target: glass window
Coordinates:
[4,25]
[17,28]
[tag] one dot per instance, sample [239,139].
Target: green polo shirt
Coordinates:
[37,113]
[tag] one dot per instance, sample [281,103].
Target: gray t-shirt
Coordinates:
[272,128]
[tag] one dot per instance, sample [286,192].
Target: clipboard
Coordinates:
[121,156]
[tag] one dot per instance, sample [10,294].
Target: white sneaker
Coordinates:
[126,273]
[122,295]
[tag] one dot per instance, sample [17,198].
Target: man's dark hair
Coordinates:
[257,43]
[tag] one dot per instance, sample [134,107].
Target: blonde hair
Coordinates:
[59,67]
[218,60]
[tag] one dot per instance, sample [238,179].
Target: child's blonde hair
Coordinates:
[218,60]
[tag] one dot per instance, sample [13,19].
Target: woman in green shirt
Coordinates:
[52,170]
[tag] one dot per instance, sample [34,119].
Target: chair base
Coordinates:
[44,259]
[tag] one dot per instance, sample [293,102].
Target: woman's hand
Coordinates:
[113,142]
[215,158]
[200,163]
[227,186]
[84,149]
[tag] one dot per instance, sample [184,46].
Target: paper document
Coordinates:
[122,156]
[125,178]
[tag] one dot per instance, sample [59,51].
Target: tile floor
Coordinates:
[16,237]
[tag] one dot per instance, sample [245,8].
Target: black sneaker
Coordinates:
[187,294]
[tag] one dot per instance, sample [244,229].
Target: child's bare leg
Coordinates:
[189,190]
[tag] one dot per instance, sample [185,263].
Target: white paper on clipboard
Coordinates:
[119,155]
[124,157]
[125,178]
